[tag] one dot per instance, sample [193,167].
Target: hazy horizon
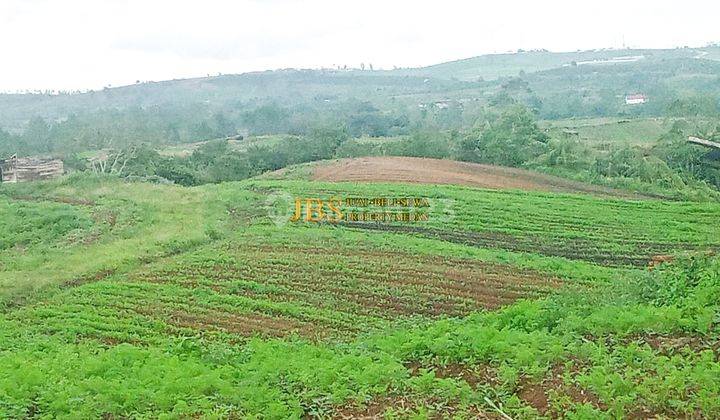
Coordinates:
[81,44]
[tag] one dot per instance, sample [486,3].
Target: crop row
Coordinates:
[608,232]
[245,289]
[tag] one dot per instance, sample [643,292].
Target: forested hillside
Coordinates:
[593,83]
[563,113]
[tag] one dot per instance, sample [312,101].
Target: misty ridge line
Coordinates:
[369,67]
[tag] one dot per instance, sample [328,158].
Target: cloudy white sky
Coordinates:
[82,44]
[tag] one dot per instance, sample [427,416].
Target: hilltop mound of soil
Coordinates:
[438,171]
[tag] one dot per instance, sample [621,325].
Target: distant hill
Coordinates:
[493,66]
[557,85]
[290,87]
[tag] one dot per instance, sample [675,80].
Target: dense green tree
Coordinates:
[513,139]
[682,156]
[223,126]
[208,152]
[177,171]
[267,119]
[567,153]
[203,131]
[423,144]
[37,135]
[229,167]
[8,144]
[322,142]
[695,106]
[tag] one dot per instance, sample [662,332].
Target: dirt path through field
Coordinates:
[437,171]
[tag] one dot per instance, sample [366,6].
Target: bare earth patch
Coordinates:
[438,171]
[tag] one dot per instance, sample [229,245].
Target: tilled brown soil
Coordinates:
[340,291]
[439,171]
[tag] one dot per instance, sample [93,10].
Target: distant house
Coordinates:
[16,169]
[635,99]
[442,104]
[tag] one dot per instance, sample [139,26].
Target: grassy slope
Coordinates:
[493,66]
[600,132]
[239,145]
[109,346]
[129,224]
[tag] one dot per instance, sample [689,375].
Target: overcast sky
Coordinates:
[81,44]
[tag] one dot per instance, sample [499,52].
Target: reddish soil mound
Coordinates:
[437,171]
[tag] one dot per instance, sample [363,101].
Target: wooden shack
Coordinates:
[17,169]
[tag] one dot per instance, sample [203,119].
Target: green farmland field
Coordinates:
[133,300]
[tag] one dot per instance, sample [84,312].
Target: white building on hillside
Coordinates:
[635,99]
